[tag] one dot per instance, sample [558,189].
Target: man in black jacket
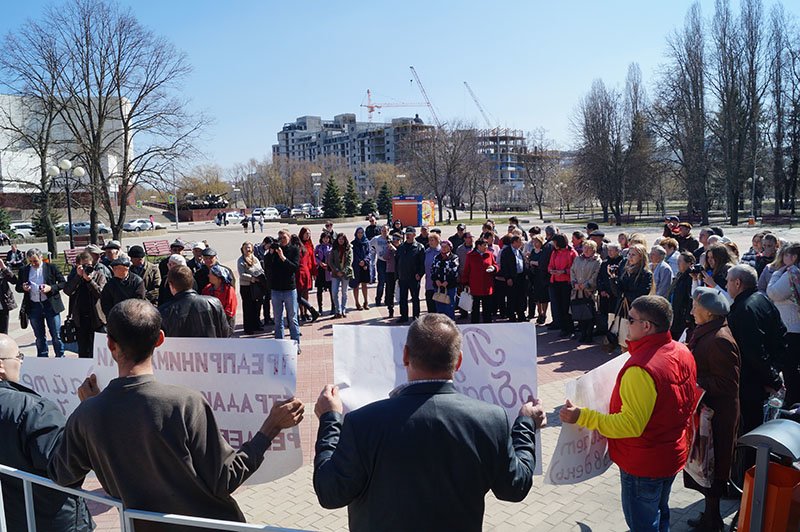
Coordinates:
[512,269]
[30,428]
[42,282]
[409,267]
[761,336]
[147,271]
[84,287]
[188,314]
[405,463]
[124,285]
[281,265]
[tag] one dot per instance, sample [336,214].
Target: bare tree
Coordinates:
[122,84]
[31,64]
[778,51]
[540,163]
[679,116]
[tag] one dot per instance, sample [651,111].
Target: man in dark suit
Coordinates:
[512,269]
[407,462]
[42,282]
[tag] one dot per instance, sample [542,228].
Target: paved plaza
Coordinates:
[290,502]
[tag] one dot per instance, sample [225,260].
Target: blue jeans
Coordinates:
[285,299]
[645,502]
[448,310]
[380,266]
[337,284]
[38,315]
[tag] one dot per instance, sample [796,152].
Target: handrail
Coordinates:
[126,516]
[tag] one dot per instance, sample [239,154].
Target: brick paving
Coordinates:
[290,502]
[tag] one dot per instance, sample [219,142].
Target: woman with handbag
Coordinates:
[631,280]
[306,272]
[341,266]
[251,277]
[322,254]
[444,272]
[718,371]
[220,286]
[7,303]
[361,272]
[583,279]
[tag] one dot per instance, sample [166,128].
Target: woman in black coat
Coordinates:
[7,303]
[718,368]
[680,296]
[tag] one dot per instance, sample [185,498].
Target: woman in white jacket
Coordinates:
[784,290]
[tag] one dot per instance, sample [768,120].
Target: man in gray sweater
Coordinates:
[157,446]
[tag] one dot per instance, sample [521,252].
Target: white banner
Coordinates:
[240,378]
[580,453]
[57,379]
[499,365]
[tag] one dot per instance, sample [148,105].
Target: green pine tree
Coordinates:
[5,221]
[332,200]
[384,199]
[39,221]
[351,198]
[402,191]
[368,207]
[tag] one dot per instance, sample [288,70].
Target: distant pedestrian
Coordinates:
[152,222]
[261,222]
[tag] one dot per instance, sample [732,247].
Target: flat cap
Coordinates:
[461,226]
[199,245]
[712,299]
[410,231]
[209,252]
[178,243]
[121,261]
[597,233]
[112,244]
[93,248]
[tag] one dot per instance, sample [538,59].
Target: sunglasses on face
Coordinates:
[633,320]
[20,357]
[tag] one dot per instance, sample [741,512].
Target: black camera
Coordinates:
[88,268]
[696,268]
[274,245]
[613,268]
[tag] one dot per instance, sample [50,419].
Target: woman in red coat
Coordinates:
[306,273]
[559,266]
[478,278]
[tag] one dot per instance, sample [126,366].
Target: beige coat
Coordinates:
[584,271]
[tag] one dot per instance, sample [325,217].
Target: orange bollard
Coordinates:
[782,504]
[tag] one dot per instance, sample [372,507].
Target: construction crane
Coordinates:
[480,107]
[372,106]
[425,95]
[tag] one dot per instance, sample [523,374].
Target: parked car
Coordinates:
[306,207]
[140,224]
[82,228]
[298,212]
[271,213]
[23,229]
[317,212]
[234,217]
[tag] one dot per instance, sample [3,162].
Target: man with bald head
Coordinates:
[30,428]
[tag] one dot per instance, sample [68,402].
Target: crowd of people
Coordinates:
[690,311]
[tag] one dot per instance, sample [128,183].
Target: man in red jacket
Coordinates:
[478,276]
[648,420]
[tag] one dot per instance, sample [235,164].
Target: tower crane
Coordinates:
[427,100]
[372,106]
[480,107]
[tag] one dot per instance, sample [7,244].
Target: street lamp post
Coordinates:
[315,177]
[65,165]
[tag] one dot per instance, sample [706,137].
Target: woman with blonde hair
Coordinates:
[633,279]
[251,288]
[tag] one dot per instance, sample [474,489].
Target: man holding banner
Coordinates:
[648,417]
[406,462]
[158,446]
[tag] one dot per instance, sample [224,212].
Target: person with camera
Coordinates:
[607,302]
[84,287]
[123,285]
[41,283]
[283,261]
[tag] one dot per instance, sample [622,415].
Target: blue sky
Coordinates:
[259,64]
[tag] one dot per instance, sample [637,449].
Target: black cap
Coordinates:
[209,252]
[136,252]
[121,261]
[597,233]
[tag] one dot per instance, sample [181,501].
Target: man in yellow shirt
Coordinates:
[648,415]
